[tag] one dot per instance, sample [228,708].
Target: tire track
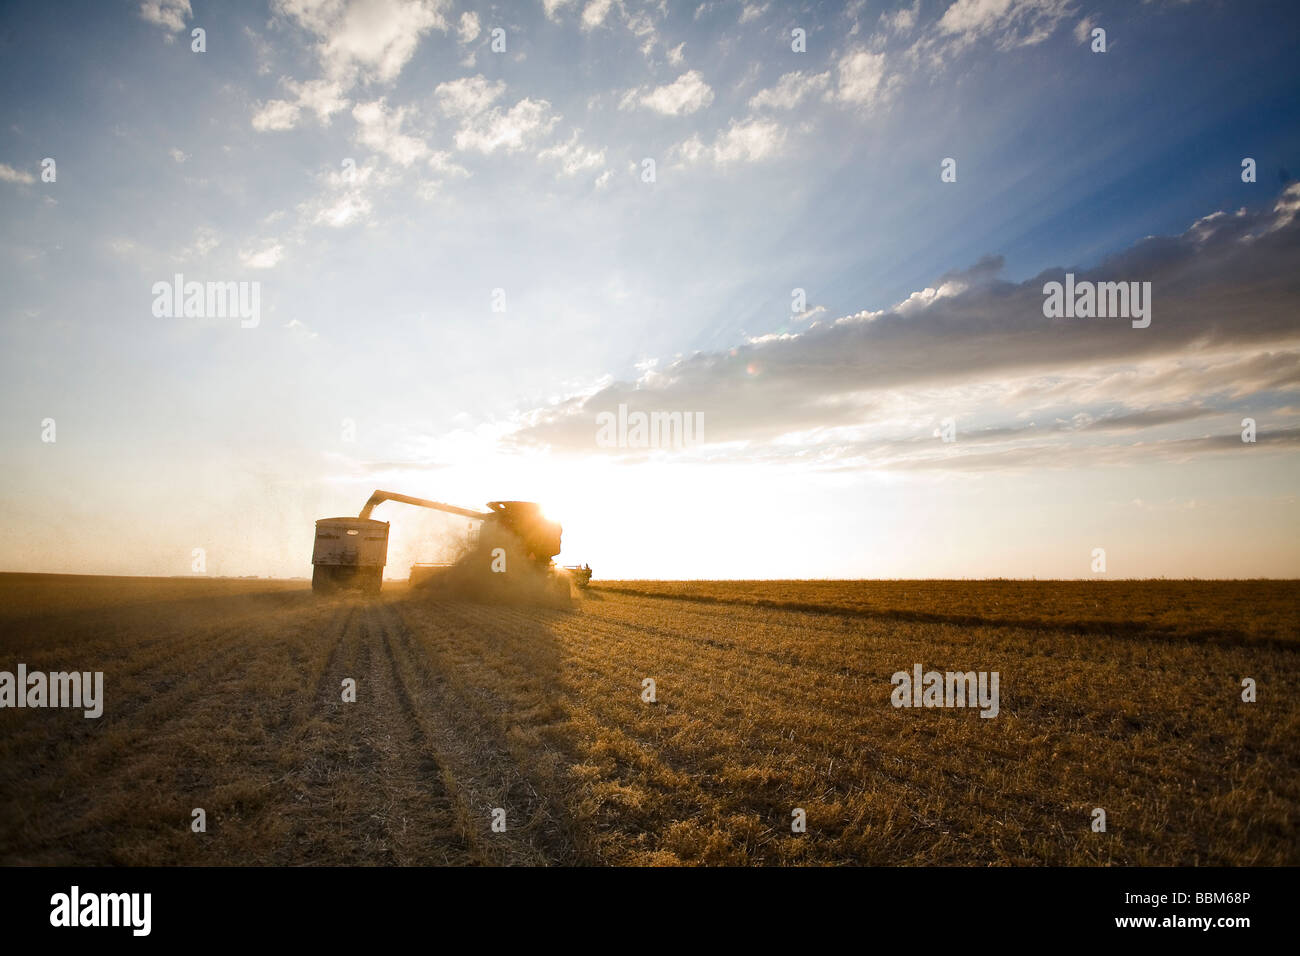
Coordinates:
[478,764]
[332,660]
[416,817]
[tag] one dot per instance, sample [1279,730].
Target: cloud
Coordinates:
[510,130]
[1229,378]
[1223,336]
[10,175]
[593,14]
[685,95]
[552,8]
[1009,23]
[1060,455]
[487,128]
[468,95]
[343,211]
[322,97]
[443,167]
[752,11]
[365,39]
[572,156]
[275,115]
[380,129]
[168,14]
[205,240]
[442,164]
[790,90]
[265,258]
[861,79]
[642,26]
[344,198]
[744,141]
[901,20]
[176,154]
[468,29]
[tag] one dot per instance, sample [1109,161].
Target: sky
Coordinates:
[822,231]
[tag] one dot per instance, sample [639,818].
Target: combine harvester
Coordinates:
[352,552]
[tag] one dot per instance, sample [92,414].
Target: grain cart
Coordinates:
[353,551]
[349,552]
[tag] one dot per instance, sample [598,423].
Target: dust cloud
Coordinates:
[470,577]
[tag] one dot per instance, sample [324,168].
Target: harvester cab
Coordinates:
[524,522]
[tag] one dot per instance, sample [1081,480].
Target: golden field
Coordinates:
[226,695]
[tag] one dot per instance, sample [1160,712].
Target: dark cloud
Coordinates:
[1231,282]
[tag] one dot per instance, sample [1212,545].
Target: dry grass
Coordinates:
[771,695]
[1260,610]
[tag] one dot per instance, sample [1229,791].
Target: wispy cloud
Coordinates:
[267,257]
[380,128]
[10,175]
[791,90]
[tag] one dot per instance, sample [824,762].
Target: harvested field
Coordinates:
[226,695]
